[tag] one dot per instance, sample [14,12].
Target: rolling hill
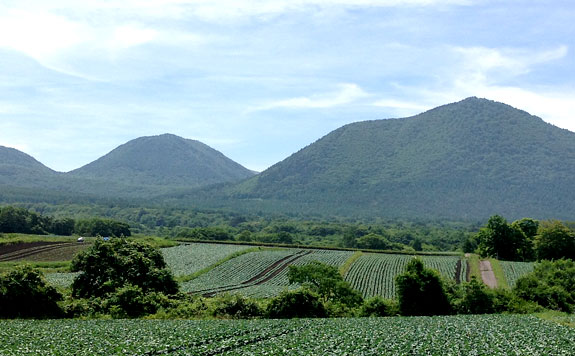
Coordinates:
[20,169]
[139,169]
[164,160]
[466,160]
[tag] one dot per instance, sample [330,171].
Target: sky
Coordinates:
[260,80]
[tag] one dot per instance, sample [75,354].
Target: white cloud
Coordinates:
[481,63]
[38,34]
[481,71]
[346,94]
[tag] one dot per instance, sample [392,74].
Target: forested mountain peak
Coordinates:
[463,160]
[11,158]
[164,160]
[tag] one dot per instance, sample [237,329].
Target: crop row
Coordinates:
[237,270]
[374,274]
[514,270]
[442,335]
[186,259]
[280,282]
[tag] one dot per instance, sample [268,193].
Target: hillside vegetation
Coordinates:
[139,169]
[461,161]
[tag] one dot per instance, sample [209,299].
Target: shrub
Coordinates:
[237,306]
[378,306]
[24,293]
[420,291]
[551,285]
[109,265]
[301,303]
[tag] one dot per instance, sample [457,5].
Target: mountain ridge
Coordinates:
[475,157]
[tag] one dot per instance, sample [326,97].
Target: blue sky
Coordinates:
[259,80]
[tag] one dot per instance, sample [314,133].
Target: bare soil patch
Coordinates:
[487,274]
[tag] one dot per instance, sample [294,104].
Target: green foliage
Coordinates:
[20,220]
[237,307]
[420,291]
[476,298]
[378,306]
[163,160]
[300,303]
[129,301]
[102,227]
[24,293]
[460,161]
[496,335]
[109,265]
[551,285]
[504,241]
[554,240]
[326,281]
[373,242]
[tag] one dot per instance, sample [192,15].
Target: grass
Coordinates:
[558,317]
[498,272]
[45,267]
[347,265]
[6,239]
[474,270]
[158,242]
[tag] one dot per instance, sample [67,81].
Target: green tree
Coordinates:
[24,293]
[420,291]
[476,298]
[109,265]
[326,281]
[102,227]
[377,306]
[503,241]
[373,242]
[551,285]
[300,303]
[555,240]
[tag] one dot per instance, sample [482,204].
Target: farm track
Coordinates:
[262,277]
[26,251]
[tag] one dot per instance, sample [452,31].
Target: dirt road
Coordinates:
[487,274]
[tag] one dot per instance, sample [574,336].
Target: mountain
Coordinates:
[164,160]
[20,169]
[466,160]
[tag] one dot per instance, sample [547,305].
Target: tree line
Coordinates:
[523,240]
[20,220]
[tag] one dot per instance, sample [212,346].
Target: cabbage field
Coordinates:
[263,272]
[374,273]
[440,335]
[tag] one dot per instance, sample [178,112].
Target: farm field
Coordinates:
[189,258]
[40,251]
[263,272]
[514,270]
[374,274]
[441,335]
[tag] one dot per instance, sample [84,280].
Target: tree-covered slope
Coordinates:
[469,159]
[164,160]
[20,169]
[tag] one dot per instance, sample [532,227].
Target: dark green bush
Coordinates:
[420,291]
[237,306]
[109,265]
[300,303]
[378,306]
[25,294]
